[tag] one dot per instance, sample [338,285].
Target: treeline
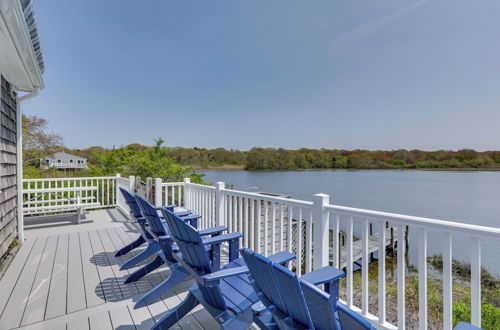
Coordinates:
[282,159]
[275,159]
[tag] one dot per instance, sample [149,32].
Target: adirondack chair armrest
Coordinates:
[183,214]
[168,207]
[282,258]
[213,231]
[214,278]
[234,246]
[324,275]
[222,238]
[192,219]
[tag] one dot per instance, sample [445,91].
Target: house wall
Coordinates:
[8,163]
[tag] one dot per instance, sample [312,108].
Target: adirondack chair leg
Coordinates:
[178,275]
[152,248]
[178,313]
[135,244]
[144,270]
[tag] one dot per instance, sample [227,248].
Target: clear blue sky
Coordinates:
[382,74]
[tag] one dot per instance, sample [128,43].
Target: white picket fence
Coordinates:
[311,230]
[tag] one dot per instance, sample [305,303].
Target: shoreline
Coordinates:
[229,168]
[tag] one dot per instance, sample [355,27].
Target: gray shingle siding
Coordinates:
[8,169]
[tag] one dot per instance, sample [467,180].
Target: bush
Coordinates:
[490,315]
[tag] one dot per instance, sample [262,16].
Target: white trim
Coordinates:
[20,43]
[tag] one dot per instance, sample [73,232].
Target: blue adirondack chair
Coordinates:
[160,233]
[297,303]
[226,294]
[145,236]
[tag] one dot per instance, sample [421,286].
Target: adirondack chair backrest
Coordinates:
[262,274]
[321,307]
[132,203]
[151,215]
[289,287]
[193,252]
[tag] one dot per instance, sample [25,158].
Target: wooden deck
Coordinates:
[65,276]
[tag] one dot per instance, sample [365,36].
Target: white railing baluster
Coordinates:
[401,276]
[257,229]
[280,235]
[308,243]
[240,216]
[246,233]
[475,279]
[273,227]
[447,280]
[298,269]
[252,224]
[336,241]
[266,227]
[349,262]
[422,281]
[364,267]
[289,229]
[381,273]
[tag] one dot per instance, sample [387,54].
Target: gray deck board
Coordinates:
[121,319]
[100,321]
[11,277]
[76,287]
[56,303]
[35,309]
[81,324]
[13,312]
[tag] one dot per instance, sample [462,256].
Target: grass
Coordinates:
[461,294]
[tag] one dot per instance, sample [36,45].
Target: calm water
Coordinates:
[468,197]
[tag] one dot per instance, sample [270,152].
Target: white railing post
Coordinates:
[131,184]
[158,192]
[321,231]
[117,189]
[187,202]
[219,197]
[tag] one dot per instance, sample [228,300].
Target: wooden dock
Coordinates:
[357,252]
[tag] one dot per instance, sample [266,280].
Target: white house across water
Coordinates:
[63,161]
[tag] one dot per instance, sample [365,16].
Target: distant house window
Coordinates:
[71,160]
[58,160]
[47,161]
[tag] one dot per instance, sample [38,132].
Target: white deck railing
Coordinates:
[271,224]
[44,196]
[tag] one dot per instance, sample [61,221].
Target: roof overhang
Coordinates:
[18,61]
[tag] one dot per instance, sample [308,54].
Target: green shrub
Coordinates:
[490,315]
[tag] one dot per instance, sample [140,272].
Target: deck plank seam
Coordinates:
[83,273]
